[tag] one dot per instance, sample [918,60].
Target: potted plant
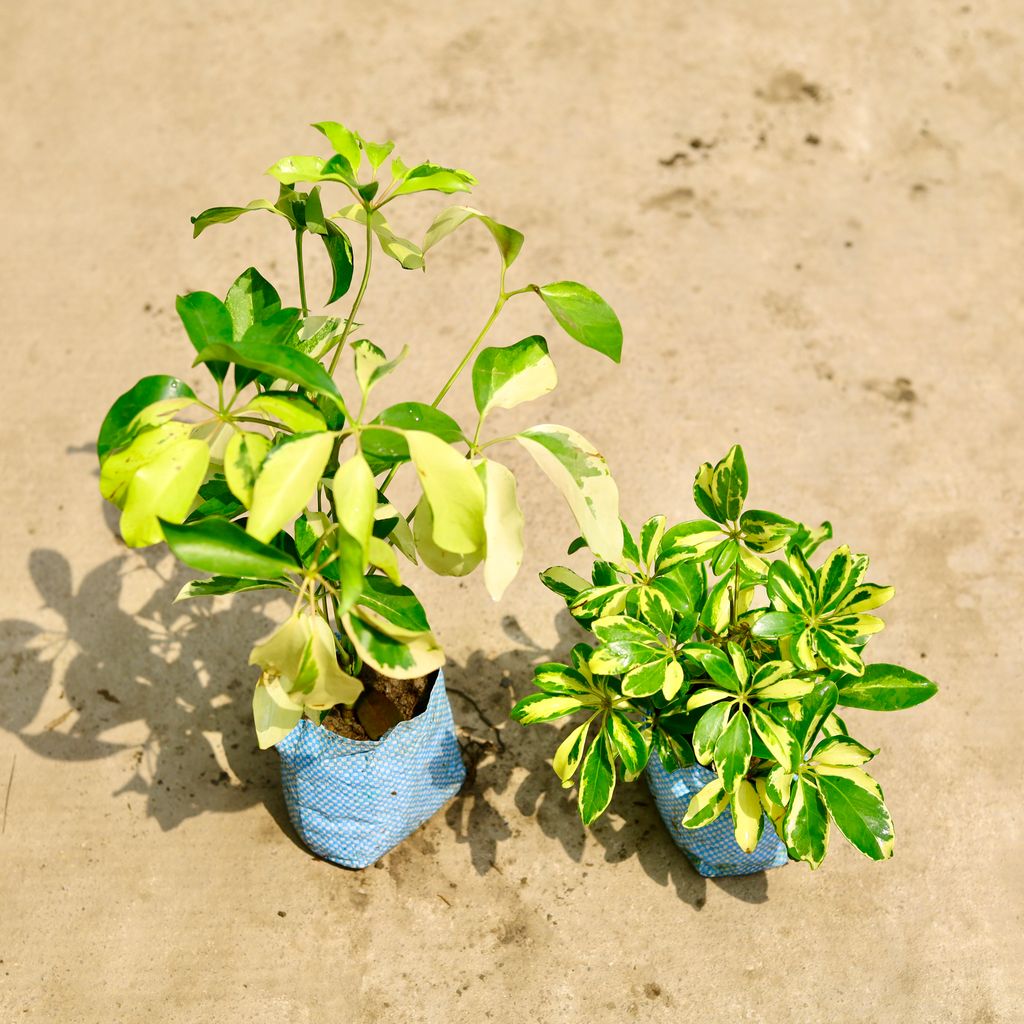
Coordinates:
[278,479]
[727,701]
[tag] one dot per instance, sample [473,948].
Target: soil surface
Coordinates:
[809,218]
[383,703]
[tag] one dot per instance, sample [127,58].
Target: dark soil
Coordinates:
[383,703]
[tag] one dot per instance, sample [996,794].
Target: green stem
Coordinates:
[472,349]
[302,272]
[349,323]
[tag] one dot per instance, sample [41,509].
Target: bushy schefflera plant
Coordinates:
[279,479]
[689,663]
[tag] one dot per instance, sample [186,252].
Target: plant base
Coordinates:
[353,800]
[712,850]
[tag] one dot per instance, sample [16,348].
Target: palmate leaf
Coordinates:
[570,753]
[733,750]
[708,729]
[628,742]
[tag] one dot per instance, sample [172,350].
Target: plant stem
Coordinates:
[472,349]
[359,295]
[302,272]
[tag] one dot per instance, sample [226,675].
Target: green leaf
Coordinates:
[628,742]
[344,142]
[407,254]
[395,603]
[812,711]
[729,483]
[855,802]
[226,214]
[119,423]
[597,780]
[207,322]
[503,527]
[569,754]
[564,582]
[251,299]
[646,680]
[733,750]
[706,805]
[885,688]
[776,737]
[707,731]
[371,364]
[835,578]
[429,177]
[555,678]
[651,534]
[454,491]
[717,665]
[765,531]
[843,751]
[339,252]
[581,473]
[218,585]
[163,488]
[280,363]
[773,625]
[287,480]
[805,826]
[702,493]
[243,457]
[434,557]
[391,445]
[584,316]
[355,498]
[292,169]
[506,377]
[395,652]
[747,817]
[290,408]
[508,240]
[217,546]
[544,707]
[687,541]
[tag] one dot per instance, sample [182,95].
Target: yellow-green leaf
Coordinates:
[355,498]
[163,488]
[274,713]
[287,480]
[706,805]
[503,526]
[570,752]
[444,563]
[581,473]
[243,457]
[454,491]
[747,817]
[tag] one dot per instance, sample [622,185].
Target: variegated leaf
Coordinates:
[747,817]
[706,805]
[805,827]
[856,804]
[570,752]
[544,707]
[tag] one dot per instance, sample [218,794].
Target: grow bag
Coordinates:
[353,800]
[712,849]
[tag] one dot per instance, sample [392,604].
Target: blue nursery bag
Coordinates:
[713,849]
[353,800]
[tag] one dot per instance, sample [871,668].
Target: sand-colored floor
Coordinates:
[810,218]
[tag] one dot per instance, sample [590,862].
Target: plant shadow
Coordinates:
[494,747]
[162,686]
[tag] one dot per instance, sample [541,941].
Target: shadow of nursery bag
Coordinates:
[353,800]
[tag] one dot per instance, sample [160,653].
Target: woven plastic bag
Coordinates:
[712,849]
[353,800]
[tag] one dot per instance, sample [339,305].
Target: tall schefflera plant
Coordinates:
[278,478]
[690,663]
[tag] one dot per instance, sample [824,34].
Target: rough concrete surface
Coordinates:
[810,219]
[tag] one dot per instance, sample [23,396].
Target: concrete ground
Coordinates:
[810,219]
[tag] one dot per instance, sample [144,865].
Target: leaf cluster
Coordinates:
[717,642]
[279,479]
